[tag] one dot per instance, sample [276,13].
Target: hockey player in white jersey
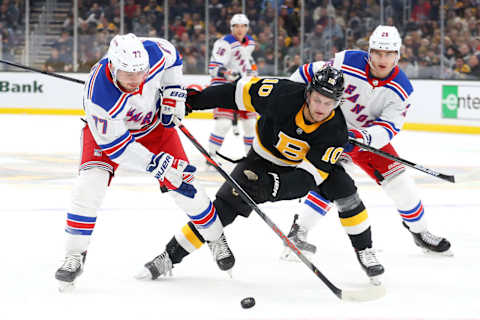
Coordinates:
[376,102]
[130,99]
[232,59]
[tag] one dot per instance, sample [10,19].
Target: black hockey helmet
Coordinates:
[328,82]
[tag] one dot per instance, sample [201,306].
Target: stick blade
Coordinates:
[368,294]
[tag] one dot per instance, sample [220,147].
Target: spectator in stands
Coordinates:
[474,64]
[263,68]
[54,63]
[462,70]
[294,64]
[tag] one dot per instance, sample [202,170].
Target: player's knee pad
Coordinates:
[348,203]
[89,191]
[353,215]
[402,190]
[221,127]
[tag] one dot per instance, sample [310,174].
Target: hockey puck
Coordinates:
[247,302]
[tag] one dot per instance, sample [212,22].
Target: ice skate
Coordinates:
[161,265]
[431,244]
[370,265]
[71,268]
[298,235]
[222,254]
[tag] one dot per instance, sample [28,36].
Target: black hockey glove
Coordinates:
[190,93]
[261,187]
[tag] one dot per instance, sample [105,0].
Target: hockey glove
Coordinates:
[228,74]
[172,105]
[357,134]
[176,174]
[190,93]
[261,187]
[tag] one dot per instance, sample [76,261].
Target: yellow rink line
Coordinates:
[208,115]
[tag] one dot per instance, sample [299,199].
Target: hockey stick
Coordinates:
[446,177]
[370,293]
[13,64]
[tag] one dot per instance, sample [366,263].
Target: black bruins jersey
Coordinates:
[282,135]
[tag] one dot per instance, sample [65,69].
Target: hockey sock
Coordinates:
[315,206]
[184,242]
[201,212]
[402,190]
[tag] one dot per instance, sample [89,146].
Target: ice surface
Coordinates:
[38,163]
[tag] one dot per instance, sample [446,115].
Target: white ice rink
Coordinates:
[38,161]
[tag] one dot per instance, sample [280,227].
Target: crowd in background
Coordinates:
[329,28]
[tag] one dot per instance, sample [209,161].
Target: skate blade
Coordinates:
[230,273]
[368,294]
[290,256]
[65,287]
[376,280]
[448,253]
[143,274]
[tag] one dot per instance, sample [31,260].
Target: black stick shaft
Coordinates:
[13,64]
[337,291]
[410,164]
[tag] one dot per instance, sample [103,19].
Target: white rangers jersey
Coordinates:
[377,106]
[232,54]
[117,118]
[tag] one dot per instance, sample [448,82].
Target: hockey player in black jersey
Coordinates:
[299,138]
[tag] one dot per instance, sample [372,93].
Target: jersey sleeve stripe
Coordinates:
[300,71]
[397,91]
[156,68]
[92,81]
[178,61]
[242,94]
[118,105]
[121,149]
[116,147]
[399,88]
[387,125]
[306,71]
[354,72]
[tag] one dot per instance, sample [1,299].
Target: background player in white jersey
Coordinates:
[232,59]
[130,98]
[376,103]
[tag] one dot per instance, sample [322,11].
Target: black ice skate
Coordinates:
[71,268]
[161,265]
[298,235]
[430,243]
[222,254]
[370,265]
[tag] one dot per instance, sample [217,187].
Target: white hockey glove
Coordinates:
[176,174]
[357,134]
[228,74]
[172,105]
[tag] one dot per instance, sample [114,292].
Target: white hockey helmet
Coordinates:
[239,18]
[385,38]
[127,53]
